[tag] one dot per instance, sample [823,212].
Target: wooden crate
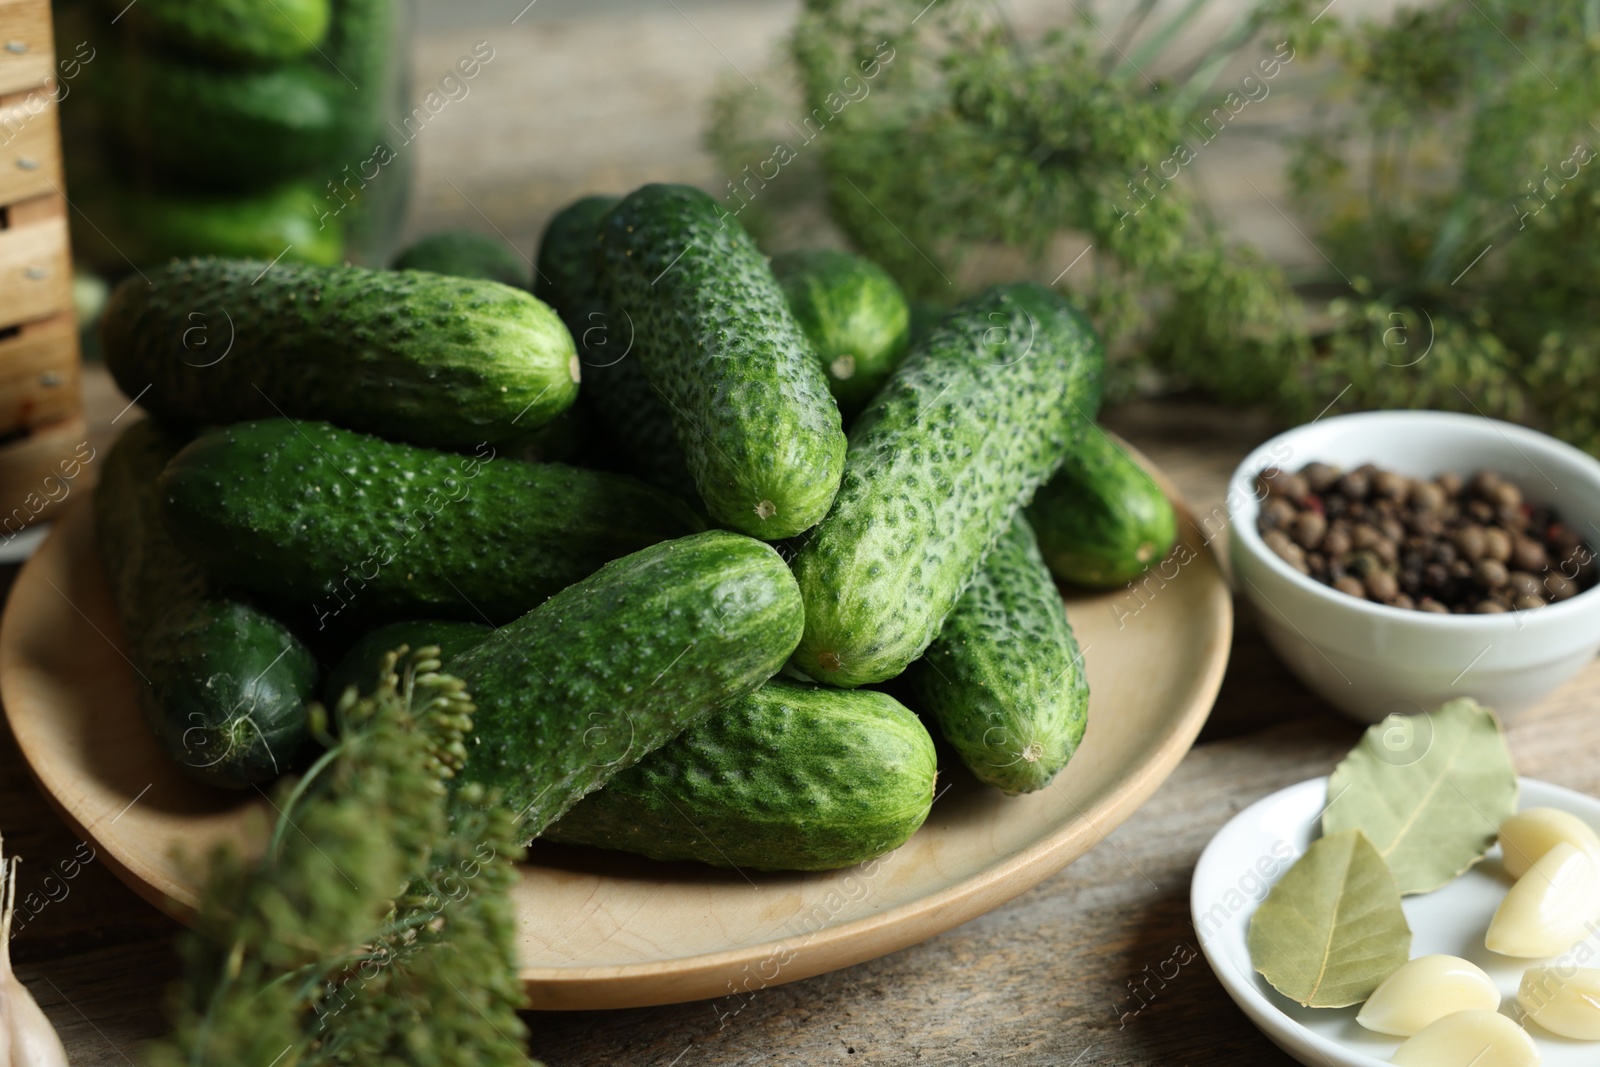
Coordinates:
[41,423]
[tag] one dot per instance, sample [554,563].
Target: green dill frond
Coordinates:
[376,928]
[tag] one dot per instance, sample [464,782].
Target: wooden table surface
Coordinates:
[570,105]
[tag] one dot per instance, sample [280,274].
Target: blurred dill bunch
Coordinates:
[377,929]
[1441,135]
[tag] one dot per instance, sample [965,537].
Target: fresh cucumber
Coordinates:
[792,777]
[223,684]
[747,395]
[634,427]
[465,254]
[232,31]
[854,315]
[343,520]
[957,441]
[449,362]
[362,664]
[1102,521]
[1004,679]
[607,671]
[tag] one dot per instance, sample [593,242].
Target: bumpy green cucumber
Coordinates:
[792,777]
[1004,679]
[309,512]
[609,670]
[957,441]
[1102,520]
[745,389]
[449,362]
[464,254]
[361,665]
[854,314]
[223,684]
[634,427]
[149,228]
[233,31]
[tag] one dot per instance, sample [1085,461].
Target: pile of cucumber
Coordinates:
[248,128]
[723,625]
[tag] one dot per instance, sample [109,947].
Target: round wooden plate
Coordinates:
[603,930]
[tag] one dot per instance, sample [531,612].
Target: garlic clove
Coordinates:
[1566,1004]
[26,1037]
[1550,908]
[1528,835]
[1470,1039]
[1425,990]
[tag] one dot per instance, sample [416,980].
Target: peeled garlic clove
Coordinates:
[1527,836]
[1424,991]
[1550,908]
[1470,1039]
[1566,1005]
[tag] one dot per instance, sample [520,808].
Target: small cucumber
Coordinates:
[747,394]
[448,362]
[1102,521]
[790,778]
[1004,680]
[312,513]
[854,314]
[607,671]
[464,254]
[362,664]
[635,427]
[232,31]
[957,441]
[223,684]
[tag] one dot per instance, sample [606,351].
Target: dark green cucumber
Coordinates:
[635,427]
[223,684]
[232,31]
[448,362]
[791,778]
[464,254]
[309,512]
[361,665]
[149,228]
[747,395]
[609,670]
[854,314]
[222,127]
[957,441]
[1102,520]
[1004,679]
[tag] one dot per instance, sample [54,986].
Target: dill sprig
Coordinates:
[376,929]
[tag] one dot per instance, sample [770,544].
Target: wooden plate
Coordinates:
[601,930]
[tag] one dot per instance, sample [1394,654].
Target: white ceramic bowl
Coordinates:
[1371,660]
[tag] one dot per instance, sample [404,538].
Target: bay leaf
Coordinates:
[1429,791]
[1332,929]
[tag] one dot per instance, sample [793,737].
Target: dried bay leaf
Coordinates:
[1429,791]
[1332,929]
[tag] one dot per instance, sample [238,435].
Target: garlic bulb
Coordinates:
[1528,835]
[1470,1039]
[1424,991]
[1551,908]
[26,1037]
[1567,1005]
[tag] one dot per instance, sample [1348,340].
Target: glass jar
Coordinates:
[242,128]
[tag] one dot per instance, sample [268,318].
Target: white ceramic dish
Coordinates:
[1371,660]
[1259,844]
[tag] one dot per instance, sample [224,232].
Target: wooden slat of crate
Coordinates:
[30,145]
[35,269]
[39,374]
[27,49]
